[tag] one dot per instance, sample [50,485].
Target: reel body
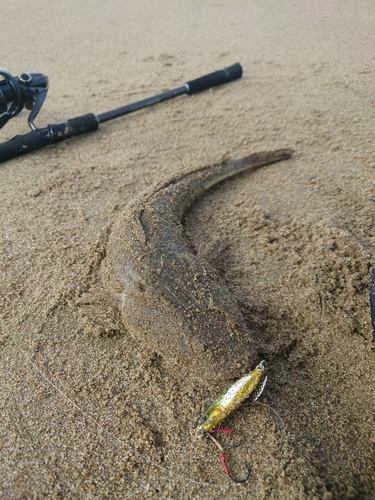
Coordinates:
[28,90]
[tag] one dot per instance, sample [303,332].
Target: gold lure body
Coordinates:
[252,383]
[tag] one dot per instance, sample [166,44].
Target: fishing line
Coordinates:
[92,419]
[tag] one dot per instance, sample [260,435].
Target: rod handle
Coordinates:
[216,78]
[23,144]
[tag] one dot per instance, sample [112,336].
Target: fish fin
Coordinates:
[215,252]
[98,312]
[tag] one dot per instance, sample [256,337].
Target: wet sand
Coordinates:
[85,411]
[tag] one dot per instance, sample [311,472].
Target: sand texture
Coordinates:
[86,409]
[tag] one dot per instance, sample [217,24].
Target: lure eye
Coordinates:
[203,419]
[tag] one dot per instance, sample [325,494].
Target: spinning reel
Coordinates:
[28,90]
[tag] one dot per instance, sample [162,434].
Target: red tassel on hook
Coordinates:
[224,460]
[224,463]
[222,430]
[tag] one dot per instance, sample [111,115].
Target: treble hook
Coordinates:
[223,457]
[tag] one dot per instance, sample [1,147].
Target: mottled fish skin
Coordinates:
[173,301]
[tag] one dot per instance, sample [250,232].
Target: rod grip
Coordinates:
[23,144]
[216,78]
[82,125]
[26,143]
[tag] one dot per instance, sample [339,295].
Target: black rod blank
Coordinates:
[135,106]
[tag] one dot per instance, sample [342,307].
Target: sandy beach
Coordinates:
[86,410]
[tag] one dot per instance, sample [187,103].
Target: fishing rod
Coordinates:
[29,90]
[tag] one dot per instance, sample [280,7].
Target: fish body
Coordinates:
[172,301]
[252,383]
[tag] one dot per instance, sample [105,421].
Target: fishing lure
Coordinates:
[252,383]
